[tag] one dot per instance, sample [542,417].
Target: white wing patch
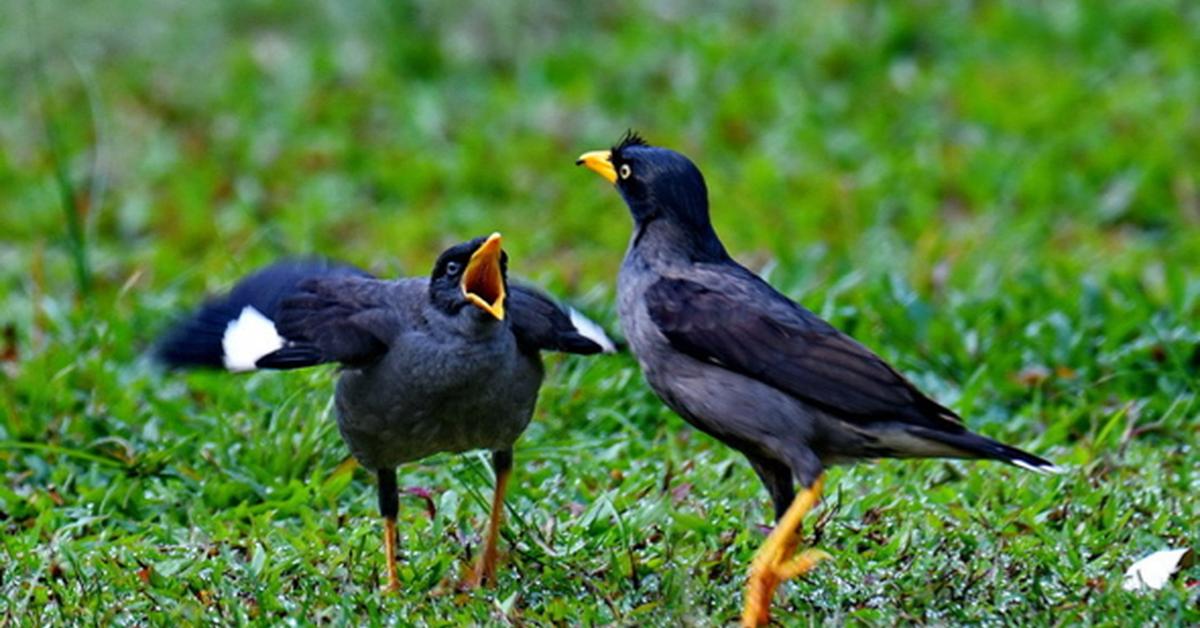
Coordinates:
[591,331]
[247,338]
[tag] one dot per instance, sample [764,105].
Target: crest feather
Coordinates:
[631,138]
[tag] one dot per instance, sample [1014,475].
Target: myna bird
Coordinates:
[755,370]
[448,363]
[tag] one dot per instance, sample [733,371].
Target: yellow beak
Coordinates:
[483,281]
[600,162]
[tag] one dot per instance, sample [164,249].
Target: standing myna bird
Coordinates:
[755,370]
[445,364]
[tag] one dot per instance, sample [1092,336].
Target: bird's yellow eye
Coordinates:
[625,171]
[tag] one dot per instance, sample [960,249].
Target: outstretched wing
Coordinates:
[344,319]
[740,323]
[541,324]
[283,311]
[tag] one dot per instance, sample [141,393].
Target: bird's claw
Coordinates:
[777,560]
[484,573]
[801,564]
[766,576]
[391,588]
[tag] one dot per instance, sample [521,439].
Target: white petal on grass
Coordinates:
[1154,571]
[247,338]
[591,331]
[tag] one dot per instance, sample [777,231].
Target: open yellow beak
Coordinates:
[600,162]
[483,281]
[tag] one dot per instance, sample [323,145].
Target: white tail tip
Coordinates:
[1051,469]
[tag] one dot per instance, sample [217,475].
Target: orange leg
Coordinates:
[485,570]
[389,507]
[389,547]
[776,561]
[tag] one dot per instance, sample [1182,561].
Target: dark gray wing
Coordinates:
[541,324]
[203,338]
[344,319]
[740,323]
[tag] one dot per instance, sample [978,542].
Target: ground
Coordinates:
[1003,198]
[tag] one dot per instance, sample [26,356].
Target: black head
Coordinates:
[659,184]
[472,273]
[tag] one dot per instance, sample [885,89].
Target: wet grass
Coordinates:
[1001,198]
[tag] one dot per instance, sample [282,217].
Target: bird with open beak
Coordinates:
[445,363]
[754,369]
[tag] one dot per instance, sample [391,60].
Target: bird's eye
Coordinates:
[452,268]
[625,171]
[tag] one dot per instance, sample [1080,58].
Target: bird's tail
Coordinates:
[233,331]
[976,446]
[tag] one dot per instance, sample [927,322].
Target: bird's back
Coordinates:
[744,363]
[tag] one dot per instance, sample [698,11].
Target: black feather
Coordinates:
[292,357]
[541,324]
[196,340]
[347,319]
[984,447]
[631,138]
[769,338]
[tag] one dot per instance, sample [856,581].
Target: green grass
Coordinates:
[1002,198]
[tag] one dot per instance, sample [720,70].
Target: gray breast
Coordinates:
[438,395]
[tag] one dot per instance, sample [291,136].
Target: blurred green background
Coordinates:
[1001,197]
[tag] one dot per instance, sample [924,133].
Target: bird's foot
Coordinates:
[766,578]
[484,572]
[392,587]
[777,561]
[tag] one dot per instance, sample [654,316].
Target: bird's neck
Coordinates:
[671,240]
